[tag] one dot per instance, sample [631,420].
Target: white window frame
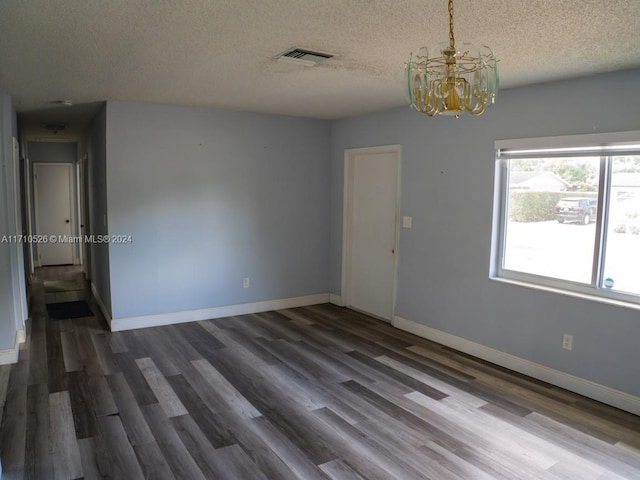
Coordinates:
[604,145]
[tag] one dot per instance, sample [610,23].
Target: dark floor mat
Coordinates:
[65,310]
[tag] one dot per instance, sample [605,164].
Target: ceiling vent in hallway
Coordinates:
[302,56]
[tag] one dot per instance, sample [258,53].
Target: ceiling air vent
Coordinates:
[302,56]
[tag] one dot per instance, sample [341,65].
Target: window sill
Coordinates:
[568,293]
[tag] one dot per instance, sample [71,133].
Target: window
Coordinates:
[568,211]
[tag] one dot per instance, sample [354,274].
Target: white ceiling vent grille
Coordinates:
[302,56]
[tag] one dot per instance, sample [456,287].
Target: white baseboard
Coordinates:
[336,299]
[602,393]
[129,323]
[21,336]
[101,305]
[10,355]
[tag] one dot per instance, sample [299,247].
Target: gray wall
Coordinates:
[8,280]
[96,150]
[209,197]
[52,152]
[447,186]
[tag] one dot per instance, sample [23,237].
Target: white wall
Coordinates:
[447,186]
[12,296]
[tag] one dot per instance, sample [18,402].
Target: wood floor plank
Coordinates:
[153,343]
[87,352]
[167,398]
[5,373]
[134,344]
[274,324]
[56,373]
[572,471]
[232,463]
[129,411]
[38,367]
[297,317]
[117,342]
[338,470]
[84,415]
[70,353]
[89,459]
[214,431]
[228,392]
[138,383]
[101,396]
[250,344]
[178,457]
[247,326]
[366,456]
[298,463]
[456,462]
[153,462]
[38,462]
[64,446]
[413,453]
[104,354]
[194,333]
[302,362]
[409,382]
[460,394]
[172,349]
[331,359]
[197,444]
[315,393]
[123,462]
[425,364]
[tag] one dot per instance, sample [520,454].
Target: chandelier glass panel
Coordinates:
[457,80]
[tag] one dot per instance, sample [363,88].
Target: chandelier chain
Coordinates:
[452,40]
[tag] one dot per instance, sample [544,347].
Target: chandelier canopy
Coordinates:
[457,80]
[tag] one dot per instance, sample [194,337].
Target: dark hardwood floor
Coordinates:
[312,393]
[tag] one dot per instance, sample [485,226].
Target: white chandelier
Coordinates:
[456,81]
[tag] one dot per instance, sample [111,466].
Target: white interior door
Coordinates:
[371,229]
[53,208]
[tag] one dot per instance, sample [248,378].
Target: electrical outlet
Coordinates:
[245,282]
[567,342]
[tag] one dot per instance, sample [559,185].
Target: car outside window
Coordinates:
[569,217]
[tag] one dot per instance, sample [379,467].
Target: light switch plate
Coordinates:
[407,222]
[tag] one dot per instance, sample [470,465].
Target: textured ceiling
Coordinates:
[219,53]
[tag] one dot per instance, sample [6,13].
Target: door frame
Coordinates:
[72,211]
[347,218]
[28,186]
[79,255]
[20,303]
